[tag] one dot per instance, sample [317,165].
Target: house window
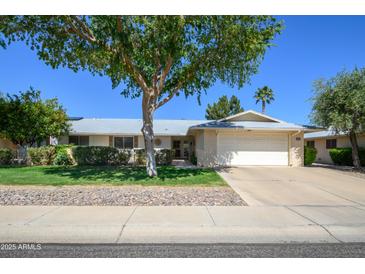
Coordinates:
[84,140]
[73,140]
[123,142]
[331,143]
[128,142]
[79,140]
[310,144]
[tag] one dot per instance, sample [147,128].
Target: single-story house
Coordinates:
[247,138]
[4,143]
[323,141]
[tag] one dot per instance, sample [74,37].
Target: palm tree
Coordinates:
[265,95]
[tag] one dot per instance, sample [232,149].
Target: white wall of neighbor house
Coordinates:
[165,142]
[323,155]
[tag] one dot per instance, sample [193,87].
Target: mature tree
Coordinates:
[156,57]
[339,104]
[265,95]
[223,108]
[27,120]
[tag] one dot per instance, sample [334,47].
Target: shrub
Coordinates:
[193,159]
[122,157]
[139,156]
[63,158]
[310,154]
[6,156]
[100,155]
[163,156]
[41,155]
[60,148]
[343,156]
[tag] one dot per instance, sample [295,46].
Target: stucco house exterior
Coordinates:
[247,138]
[323,141]
[4,143]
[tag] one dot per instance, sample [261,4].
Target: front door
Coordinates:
[176,145]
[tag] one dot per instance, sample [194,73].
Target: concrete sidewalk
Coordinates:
[256,224]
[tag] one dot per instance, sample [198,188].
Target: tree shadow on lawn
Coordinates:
[110,174]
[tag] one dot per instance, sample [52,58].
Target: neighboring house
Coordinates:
[323,141]
[247,138]
[4,143]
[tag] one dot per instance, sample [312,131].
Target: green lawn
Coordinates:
[98,175]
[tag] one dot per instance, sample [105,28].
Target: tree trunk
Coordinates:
[263,106]
[147,130]
[355,150]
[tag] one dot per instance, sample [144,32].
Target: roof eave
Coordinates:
[249,128]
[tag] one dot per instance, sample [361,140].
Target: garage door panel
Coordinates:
[252,149]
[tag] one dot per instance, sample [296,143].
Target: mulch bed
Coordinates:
[119,195]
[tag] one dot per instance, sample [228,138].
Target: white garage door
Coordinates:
[252,149]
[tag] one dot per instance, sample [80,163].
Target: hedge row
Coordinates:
[93,155]
[41,156]
[6,156]
[98,155]
[310,154]
[163,156]
[343,156]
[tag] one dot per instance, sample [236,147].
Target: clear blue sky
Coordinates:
[309,48]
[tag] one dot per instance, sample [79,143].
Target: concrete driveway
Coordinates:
[288,186]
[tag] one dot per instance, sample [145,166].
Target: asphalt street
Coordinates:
[328,250]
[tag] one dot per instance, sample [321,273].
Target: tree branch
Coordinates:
[119,24]
[137,75]
[168,98]
[174,92]
[164,74]
[84,27]
[77,31]
[84,32]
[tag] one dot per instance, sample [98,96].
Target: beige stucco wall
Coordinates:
[296,149]
[210,148]
[206,148]
[323,155]
[165,142]
[251,117]
[199,146]
[95,140]
[63,140]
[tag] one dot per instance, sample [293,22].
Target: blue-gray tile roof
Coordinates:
[250,125]
[130,126]
[95,126]
[322,134]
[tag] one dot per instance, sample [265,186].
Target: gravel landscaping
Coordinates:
[119,195]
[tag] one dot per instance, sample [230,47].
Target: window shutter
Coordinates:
[135,141]
[111,141]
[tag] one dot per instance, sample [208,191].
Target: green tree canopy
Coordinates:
[156,57]
[339,104]
[27,120]
[223,108]
[265,95]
